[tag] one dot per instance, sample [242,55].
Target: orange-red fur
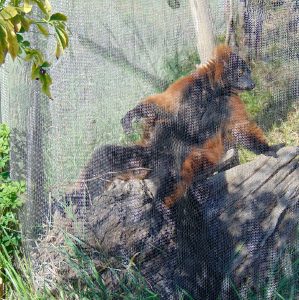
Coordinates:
[208,155]
[198,159]
[170,99]
[239,120]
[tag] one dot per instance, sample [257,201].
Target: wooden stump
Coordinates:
[231,228]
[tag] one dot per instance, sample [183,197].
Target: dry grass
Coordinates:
[288,131]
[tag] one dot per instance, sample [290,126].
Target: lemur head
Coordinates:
[231,70]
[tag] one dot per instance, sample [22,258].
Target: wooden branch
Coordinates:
[231,227]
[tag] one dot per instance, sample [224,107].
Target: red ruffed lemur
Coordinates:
[194,121]
[188,129]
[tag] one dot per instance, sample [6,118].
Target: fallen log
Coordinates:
[226,235]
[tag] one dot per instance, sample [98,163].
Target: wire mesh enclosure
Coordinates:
[167,204]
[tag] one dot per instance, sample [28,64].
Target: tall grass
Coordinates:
[18,281]
[88,283]
[130,284]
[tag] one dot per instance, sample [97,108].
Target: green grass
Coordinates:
[131,285]
[182,63]
[18,282]
[88,284]
[286,275]
[287,132]
[262,106]
[279,119]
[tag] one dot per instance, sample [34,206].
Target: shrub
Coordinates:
[10,200]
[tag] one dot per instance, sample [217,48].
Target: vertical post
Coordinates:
[230,38]
[254,15]
[205,33]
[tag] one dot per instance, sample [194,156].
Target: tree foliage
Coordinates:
[17,18]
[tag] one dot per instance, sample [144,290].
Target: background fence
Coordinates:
[120,52]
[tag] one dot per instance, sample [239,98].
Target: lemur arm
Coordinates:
[148,111]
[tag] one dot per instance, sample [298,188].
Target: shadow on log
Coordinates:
[231,228]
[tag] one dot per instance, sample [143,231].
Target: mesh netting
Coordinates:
[232,230]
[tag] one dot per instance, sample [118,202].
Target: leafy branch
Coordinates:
[16,18]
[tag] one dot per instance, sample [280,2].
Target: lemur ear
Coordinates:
[222,53]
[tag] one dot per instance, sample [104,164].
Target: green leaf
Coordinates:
[58,17]
[44,6]
[39,72]
[26,44]
[48,6]
[35,55]
[13,45]
[16,21]
[62,36]
[26,22]
[3,43]
[27,6]
[59,50]
[35,74]
[8,12]
[20,38]
[42,29]
[15,2]
[46,65]
[46,81]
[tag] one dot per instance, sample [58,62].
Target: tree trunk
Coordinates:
[204,28]
[253,19]
[232,22]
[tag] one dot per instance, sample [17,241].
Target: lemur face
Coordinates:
[237,74]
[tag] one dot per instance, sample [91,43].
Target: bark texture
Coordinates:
[231,228]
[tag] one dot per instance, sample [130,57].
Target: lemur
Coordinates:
[193,122]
